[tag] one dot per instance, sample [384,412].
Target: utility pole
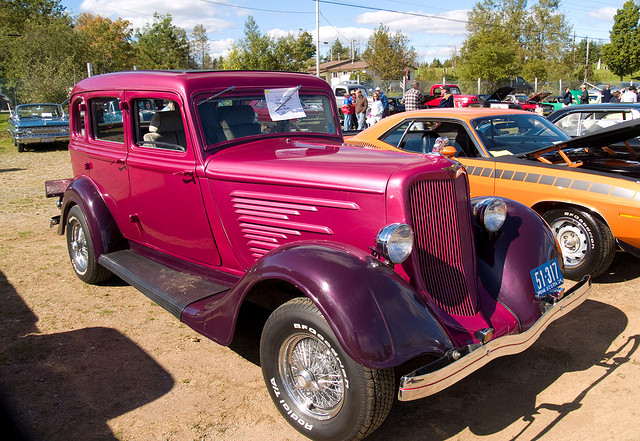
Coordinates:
[318,38]
[586,65]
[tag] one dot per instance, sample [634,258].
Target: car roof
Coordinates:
[189,82]
[593,107]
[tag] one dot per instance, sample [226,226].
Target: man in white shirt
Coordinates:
[629,96]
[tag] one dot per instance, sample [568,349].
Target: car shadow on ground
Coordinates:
[505,390]
[43,148]
[624,267]
[66,386]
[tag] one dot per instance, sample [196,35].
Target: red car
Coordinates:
[364,259]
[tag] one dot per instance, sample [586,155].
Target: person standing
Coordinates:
[606,94]
[348,109]
[377,110]
[385,102]
[567,98]
[584,97]
[447,98]
[361,109]
[615,97]
[629,96]
[413,99]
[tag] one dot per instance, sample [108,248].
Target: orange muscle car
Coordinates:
[588,193]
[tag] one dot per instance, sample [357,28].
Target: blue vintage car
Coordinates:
[38,123]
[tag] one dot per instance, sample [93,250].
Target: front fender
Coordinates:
[376,316]
[101,224]
[506,259]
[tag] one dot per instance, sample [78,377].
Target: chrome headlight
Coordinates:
[491,213]
[395,242]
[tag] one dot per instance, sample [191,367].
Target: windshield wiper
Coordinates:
[228,89]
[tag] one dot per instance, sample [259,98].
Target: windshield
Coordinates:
[516,134]
[223,118]
[39,111]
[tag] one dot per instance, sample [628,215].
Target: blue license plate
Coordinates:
[547,279]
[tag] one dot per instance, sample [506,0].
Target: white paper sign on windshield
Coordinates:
[284,103]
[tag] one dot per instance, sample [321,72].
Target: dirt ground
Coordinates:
[81,362]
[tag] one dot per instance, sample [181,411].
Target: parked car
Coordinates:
[499,99]
[38,124]
[535,103]
[459,99]
[367,259]
[585,191]
[519,84]
[395,105]
[340,89]
[586,118]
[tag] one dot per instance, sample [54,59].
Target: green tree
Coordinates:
[42,68]
[254,51]
[547,34]
[492,49]
[622,55]
[389,55]
[339,52]
[162,45]
[293,52]
[261,52]
[15,14]
[199,47]
[106,44]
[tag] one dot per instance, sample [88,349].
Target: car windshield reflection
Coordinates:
[516,134]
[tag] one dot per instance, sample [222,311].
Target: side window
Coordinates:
[106,119]
[569,124]
[79,111]
[393,138]
[158,124]
[340,91]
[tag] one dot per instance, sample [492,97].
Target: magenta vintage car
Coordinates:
[367,259]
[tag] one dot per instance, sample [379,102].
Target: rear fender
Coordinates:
[505,259]
[376,316]
[102,226]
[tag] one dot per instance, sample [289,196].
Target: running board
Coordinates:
[171,289]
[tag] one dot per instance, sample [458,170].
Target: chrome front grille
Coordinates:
[443,247]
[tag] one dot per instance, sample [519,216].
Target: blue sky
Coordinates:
[434,29]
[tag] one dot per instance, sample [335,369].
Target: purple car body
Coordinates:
[281,213]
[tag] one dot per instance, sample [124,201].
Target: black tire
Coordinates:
[81,251]
[20,147]
[299,354]
[588,246]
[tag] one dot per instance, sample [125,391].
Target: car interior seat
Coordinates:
[166,127]
[237,121]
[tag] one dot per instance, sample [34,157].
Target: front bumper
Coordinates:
[444,372]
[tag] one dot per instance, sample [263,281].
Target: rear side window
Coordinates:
[106,119]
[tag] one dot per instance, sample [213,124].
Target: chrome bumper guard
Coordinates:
[444,372]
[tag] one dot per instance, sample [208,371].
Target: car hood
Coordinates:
[320,164]
[538,97]
[602,138]
[589,150]
[500,94]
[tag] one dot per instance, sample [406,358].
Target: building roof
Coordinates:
[340,66]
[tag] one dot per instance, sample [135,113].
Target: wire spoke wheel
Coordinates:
[312,376]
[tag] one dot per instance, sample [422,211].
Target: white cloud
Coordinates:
[451,23]
[604,14]
[184,13]
[220,47]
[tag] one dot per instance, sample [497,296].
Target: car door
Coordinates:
[165,187]
[99,144]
